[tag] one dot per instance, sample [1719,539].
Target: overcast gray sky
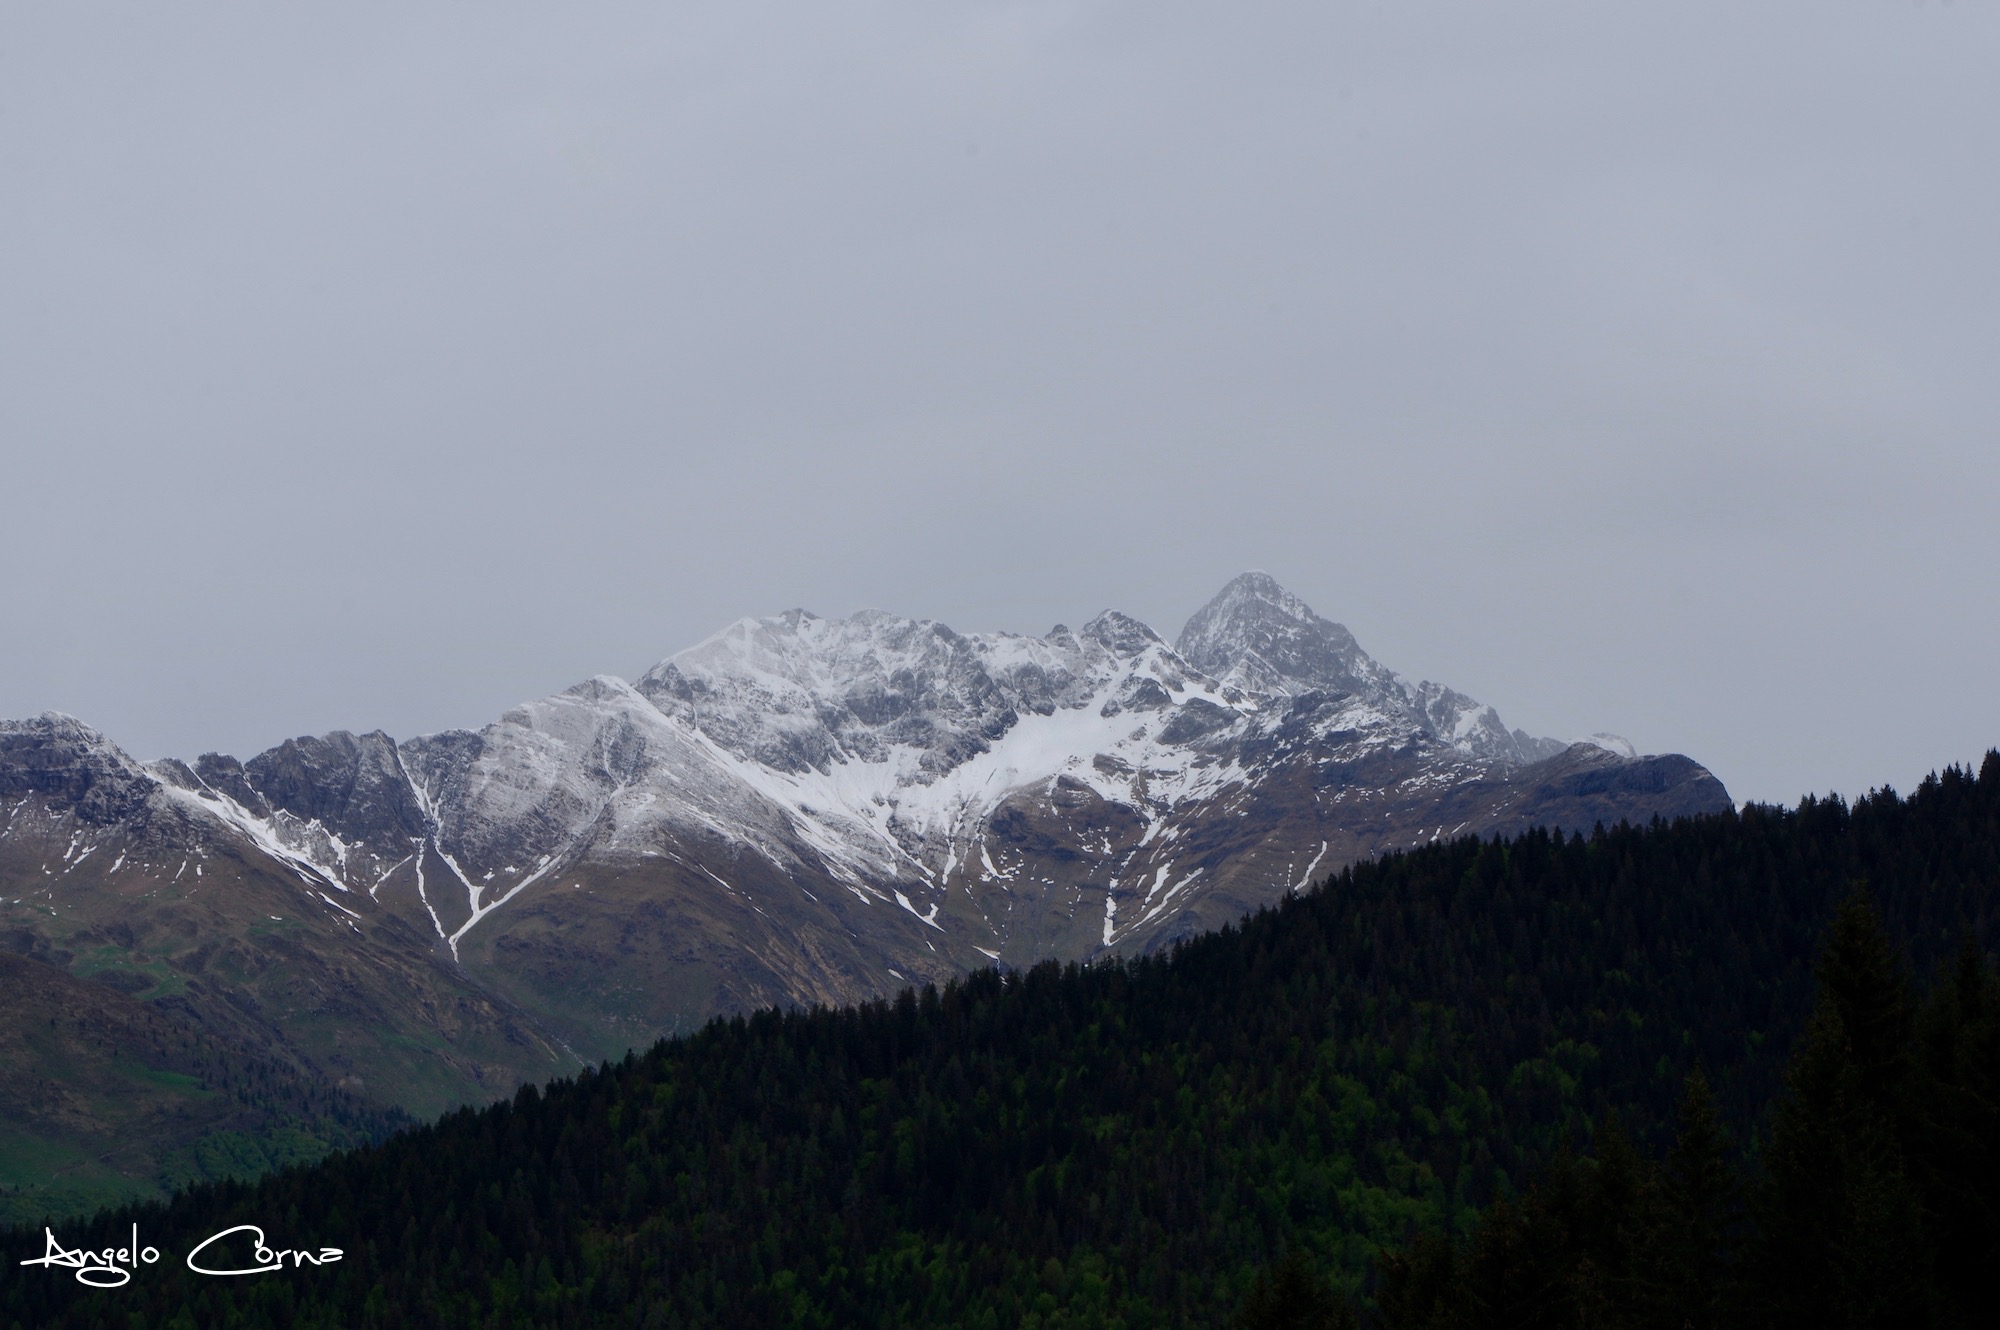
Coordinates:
[1630,367]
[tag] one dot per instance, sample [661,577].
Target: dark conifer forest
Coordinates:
[1742,1069]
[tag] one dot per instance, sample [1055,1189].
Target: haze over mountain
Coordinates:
[798,810]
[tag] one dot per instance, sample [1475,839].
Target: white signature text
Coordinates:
[113,1266]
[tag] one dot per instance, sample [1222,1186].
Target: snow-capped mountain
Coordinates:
[803,809]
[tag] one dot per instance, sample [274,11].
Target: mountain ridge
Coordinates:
[795,811]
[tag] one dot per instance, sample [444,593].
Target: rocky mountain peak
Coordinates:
[1121,634]
[1259,637]
[340,779]
[55,727]
[56,754]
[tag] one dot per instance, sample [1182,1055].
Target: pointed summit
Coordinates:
[1258,585]
[1261,638]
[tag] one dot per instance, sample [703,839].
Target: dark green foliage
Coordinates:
[1841,1238]
[1131,1143]
[1696,1217]
[1293,1295]
[1957,1136]
[1615,1240]
[1871,1207]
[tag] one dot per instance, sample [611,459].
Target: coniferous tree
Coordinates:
[1875,1205]
[1420,1283]
[1957,1147]
[1689,1277]
[1840,1226]
[1293,1295]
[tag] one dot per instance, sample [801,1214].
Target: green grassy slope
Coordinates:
[107,1098]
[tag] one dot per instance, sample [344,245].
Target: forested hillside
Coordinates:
[1125,1144]
[1875,1201]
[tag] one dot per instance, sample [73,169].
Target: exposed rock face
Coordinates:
[60,758]
[358,785]
[803,809]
